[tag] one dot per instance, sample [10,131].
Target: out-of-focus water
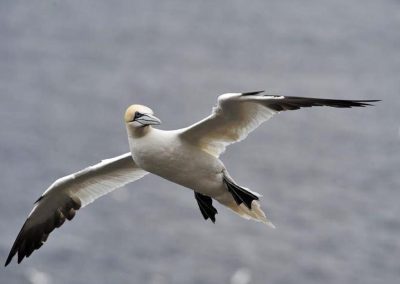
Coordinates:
[330,177]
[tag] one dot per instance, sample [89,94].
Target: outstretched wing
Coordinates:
[236,115]
[68,194]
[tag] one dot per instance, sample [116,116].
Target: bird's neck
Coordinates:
[138,132]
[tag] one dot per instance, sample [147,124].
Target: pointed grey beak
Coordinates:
[148,119]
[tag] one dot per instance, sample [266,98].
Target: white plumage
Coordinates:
[188,156]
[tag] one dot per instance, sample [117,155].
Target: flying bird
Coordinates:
[187,156]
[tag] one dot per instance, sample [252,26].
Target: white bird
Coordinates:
[188,157]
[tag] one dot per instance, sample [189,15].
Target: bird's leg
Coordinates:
[206,207]
[240,194]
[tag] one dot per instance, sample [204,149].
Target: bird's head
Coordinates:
[139,116]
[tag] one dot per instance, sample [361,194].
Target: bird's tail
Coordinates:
[243,201]
[253,213]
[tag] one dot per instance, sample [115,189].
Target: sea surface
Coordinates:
[330,178]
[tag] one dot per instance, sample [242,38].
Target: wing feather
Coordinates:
[67,195]
[237,114]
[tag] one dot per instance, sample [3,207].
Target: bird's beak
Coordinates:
[148,119]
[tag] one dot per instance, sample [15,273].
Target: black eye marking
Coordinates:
[137,115]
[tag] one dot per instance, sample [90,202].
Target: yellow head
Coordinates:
[140,116]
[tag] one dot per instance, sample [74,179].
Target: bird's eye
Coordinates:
[137,115]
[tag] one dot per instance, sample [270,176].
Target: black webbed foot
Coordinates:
[240,194]
[206,207]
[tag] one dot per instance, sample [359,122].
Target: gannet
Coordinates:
[188,157]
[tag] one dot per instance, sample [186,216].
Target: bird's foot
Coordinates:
[206,207]
[239,194]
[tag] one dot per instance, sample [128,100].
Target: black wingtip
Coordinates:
[12,253]
[31,237]
[20,258]
[367,102]
[9,258]
[7,262]
[363,103]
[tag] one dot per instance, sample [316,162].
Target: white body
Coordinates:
[165,154]
[189,157]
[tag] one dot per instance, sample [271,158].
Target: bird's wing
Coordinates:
[236,115]
[68,194]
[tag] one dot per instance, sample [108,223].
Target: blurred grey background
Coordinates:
[330,177]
